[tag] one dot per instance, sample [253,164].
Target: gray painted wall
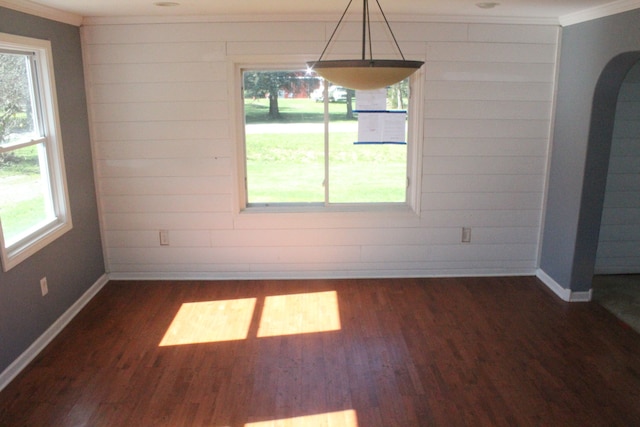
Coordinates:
[619,243]
[595,58]
[74,262]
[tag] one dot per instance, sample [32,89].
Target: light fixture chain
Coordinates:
[390,30]
[369,26]
[336,29]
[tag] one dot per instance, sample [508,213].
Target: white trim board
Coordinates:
[300,275]
[302,17]
[565,294]
[599,12]
[39,344]
[41,11]
[32,8]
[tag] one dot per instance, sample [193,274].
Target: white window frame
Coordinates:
[46,91]
[414,150]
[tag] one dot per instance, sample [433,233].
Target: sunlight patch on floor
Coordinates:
[300,314]
[210,321]
[346,418]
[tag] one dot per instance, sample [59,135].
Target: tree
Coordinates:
[350,95]
[268,84]
[15,105]
[399,92]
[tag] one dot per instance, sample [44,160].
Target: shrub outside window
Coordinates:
[34,207]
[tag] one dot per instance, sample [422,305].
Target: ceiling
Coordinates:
[545,9]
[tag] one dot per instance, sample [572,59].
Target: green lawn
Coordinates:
[21,201]
[20,216]
[294,111]
[289,167]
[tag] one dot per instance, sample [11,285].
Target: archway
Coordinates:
[616,283]
[597,163]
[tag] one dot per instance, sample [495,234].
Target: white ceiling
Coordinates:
[546,9]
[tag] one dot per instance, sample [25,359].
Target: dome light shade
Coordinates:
[365,74]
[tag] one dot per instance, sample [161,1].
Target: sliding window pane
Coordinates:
[284,138]
[25,201]
[18,122]
[368,151]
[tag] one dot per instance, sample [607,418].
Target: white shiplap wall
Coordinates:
[619,242]
[165,151]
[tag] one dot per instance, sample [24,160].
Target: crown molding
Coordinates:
[599,12]
[42,11]
[155,19]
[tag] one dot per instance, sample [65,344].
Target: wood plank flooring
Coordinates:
[402,352]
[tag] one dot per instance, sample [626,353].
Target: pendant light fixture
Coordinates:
[365,73]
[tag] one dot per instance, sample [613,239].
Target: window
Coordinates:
[34,207]
[308,142]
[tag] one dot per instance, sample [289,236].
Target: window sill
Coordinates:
[364,208]
[304,217]
[22,250]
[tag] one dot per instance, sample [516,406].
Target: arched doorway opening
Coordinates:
[616,284]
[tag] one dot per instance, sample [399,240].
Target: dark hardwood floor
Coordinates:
[396,352]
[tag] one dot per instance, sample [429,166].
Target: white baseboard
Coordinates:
[310,275]
[38,345]
[565,294]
